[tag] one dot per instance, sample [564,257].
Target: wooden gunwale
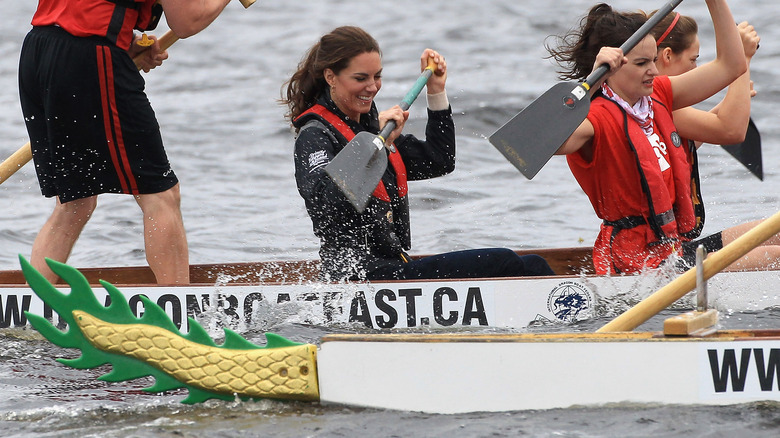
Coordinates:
[564,261]
[720,335]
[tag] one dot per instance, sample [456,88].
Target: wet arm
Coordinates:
[435,156]
[581,140]
[188,17]
[701,83]
[727,122]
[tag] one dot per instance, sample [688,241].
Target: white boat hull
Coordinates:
[448,375]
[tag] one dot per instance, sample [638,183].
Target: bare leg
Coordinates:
[60,232]
[765,256]
[164,236]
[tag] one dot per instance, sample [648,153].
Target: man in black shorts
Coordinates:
[91,126]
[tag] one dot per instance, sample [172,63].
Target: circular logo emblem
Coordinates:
[676,140]
[390,216]
[570,301]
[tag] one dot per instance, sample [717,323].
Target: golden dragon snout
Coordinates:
[287,372]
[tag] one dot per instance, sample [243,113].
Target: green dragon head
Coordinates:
[152,346]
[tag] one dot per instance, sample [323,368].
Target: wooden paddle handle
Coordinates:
[685,283]
[166,41]
[15,162]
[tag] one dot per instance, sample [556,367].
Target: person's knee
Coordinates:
[79,210]
[154,202]
[503,252]
[525,265]
[536,265]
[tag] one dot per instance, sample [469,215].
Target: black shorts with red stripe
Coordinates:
[91,126]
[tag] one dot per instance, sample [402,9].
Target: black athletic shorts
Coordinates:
[90,123]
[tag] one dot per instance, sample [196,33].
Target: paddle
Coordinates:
[533,136]
[685,283]
[23,155]
[15,162]
[749,151]
[357,169]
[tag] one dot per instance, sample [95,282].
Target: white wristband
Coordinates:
[438,101]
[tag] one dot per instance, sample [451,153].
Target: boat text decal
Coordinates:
[745,369]
[242,307]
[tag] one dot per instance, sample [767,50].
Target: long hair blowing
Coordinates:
[333,51]
[575,52]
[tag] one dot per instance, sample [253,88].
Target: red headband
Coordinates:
[666,34]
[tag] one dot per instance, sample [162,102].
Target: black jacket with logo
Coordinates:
[352,244]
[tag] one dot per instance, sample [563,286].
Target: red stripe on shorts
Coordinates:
[116,145]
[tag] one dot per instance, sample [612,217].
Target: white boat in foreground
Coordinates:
[468,373]
[258,295]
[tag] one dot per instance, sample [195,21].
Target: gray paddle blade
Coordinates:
[533,136]
[357,169]
[749,151]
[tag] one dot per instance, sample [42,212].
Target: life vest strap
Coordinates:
[629,222]
[127,4]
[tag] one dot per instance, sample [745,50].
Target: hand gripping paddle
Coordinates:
[533,136]
[357,169]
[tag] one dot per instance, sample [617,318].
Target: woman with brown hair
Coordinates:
[330,99]
[627,154]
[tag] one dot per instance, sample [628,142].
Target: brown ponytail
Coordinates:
[603,27]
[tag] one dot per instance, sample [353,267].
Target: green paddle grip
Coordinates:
[411,96]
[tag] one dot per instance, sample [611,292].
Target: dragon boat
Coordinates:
[689,362]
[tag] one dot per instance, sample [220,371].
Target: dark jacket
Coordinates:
[352,244]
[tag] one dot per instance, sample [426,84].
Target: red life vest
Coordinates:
[698,201]
[113,19]
[396,161]
[643,221]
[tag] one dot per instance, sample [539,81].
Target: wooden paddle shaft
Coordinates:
[685,283]
[15,162]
